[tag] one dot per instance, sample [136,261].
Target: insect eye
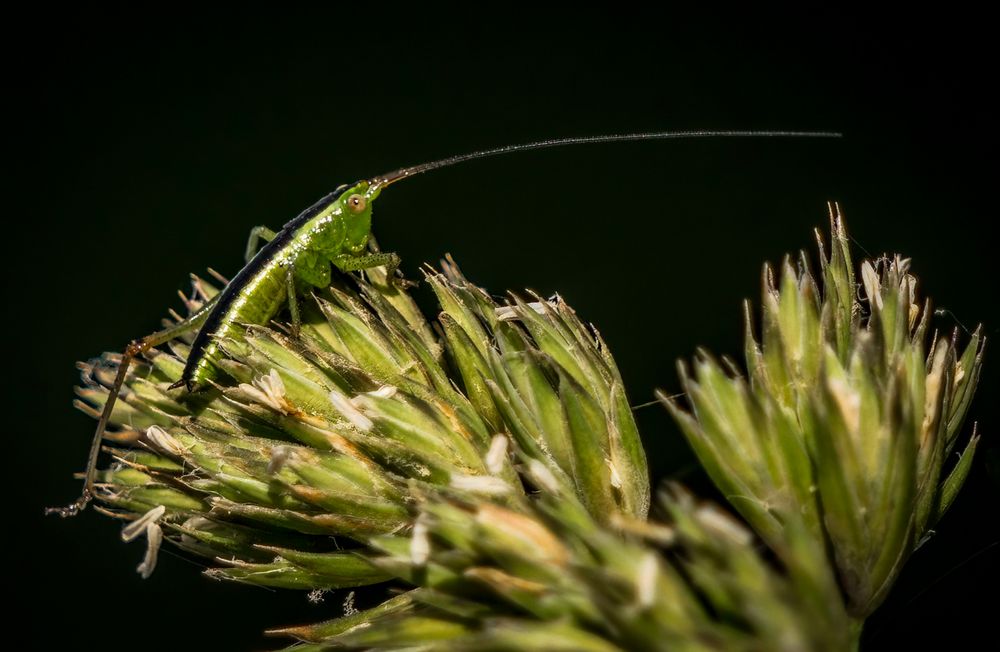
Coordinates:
[357,203]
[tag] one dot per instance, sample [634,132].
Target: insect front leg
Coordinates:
[356,263]
[133,350]
[257,233]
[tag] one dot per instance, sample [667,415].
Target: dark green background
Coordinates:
[153,143]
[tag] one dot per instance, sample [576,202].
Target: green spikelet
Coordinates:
[488,460]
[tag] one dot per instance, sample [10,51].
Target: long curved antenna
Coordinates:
[388,178]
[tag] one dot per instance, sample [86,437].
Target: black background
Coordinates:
[151,144]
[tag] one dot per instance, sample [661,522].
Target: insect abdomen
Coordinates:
[254,300]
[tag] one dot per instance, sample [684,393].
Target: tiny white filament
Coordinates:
[509,313]
[420,543]
[164,441]
[497,454]
[138,526]
[349,608]
[873,287]
[350,412]
[645,581]
[147,524]
[268,390]
[543,476]
[616,480]
[711,518]
[154,537]
[279,455]
[480,484]
[385,391]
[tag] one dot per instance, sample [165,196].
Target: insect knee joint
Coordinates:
[137,347]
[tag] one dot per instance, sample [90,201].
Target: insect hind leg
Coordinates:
[133,350]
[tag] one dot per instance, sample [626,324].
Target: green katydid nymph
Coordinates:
[333,232]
